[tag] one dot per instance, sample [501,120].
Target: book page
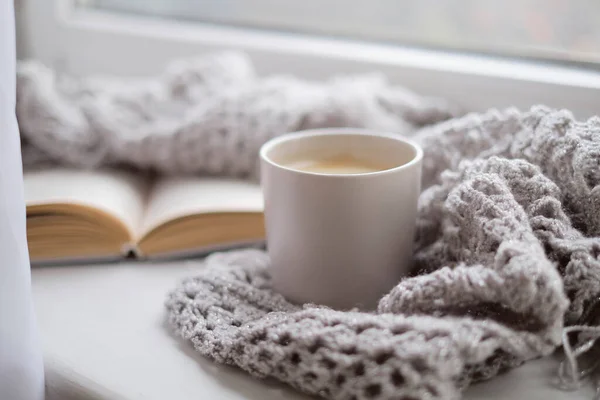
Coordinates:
[116,192]
[173,198]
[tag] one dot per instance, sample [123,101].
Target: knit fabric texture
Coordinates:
[208,115]
[507,250]
[507,235]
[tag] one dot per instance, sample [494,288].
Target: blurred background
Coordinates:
[559,30]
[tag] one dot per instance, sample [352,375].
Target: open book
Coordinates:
[107,214]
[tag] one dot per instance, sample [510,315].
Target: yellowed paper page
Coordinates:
[173,198]
[120,194]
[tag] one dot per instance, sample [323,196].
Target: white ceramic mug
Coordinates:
[341,240]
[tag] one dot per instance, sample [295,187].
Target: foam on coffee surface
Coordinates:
[343,164]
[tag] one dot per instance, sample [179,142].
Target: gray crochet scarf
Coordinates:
[507,249]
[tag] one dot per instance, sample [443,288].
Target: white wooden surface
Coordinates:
[104,338]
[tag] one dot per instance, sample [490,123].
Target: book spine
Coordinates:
[131,250]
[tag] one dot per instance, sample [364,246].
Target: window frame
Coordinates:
[87,41]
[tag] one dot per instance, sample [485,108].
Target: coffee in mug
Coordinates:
[337,164]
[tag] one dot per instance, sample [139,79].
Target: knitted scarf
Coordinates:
[508,234]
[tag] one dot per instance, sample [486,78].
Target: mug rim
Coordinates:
[276,141]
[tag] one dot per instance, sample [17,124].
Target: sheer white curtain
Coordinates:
[21,366]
